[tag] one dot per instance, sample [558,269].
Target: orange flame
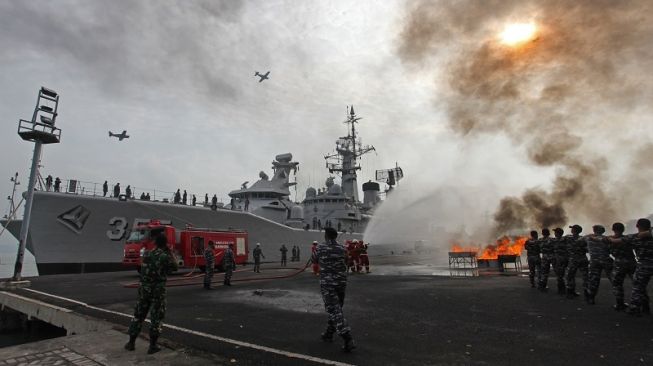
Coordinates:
[503,246]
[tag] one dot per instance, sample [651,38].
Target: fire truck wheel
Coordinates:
[138,269]
[202,269]
[219,268]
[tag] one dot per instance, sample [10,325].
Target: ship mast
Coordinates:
[344,160]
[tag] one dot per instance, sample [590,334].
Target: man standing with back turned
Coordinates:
[209,261]
[258,253]
[331,257]
[152,293]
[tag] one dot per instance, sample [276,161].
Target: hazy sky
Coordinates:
[179,77]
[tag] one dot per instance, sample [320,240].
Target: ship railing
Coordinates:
[87,188]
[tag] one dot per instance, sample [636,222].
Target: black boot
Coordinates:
[571,294]
[620,306]
[589,297]
[130,346]
[532,283]
[349,343]
[634,310]
[561,289]
[154,348]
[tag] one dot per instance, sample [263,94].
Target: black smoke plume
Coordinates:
[556,96]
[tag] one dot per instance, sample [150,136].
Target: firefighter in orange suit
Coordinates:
[363,259]
[353,251]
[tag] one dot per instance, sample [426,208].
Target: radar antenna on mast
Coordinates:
[348,150]
[390,176]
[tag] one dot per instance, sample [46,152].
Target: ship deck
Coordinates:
[401,314]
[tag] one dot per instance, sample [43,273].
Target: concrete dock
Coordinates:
[401,314]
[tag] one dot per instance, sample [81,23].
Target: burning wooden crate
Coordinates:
[463,263]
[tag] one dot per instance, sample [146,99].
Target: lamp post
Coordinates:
[40,130]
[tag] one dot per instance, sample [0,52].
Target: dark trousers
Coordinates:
[334,300]
[257,264]
[534,269]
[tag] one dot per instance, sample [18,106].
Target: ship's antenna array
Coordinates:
[344,160]
[13,207]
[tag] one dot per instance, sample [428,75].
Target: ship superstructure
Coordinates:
[79,229]
[269,198]
[338,205]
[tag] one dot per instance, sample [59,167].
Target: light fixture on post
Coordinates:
[40,130]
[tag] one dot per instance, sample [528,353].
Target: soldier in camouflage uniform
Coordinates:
[561,253]
[332,258]
[533,256]
[643,244]
[229,263]
[209,259]
[624,263]
[548,258]
[577,248]
[152,293]
[599,251]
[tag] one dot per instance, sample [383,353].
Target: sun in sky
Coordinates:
[517,33]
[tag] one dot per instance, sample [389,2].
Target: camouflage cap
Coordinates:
[576,228]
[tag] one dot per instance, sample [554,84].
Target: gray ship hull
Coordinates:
[75,233]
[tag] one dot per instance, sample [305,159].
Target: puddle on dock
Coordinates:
[300,301]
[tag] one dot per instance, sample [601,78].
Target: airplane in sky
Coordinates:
[120,136]
[262,76]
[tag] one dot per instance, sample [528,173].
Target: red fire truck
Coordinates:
[188,245]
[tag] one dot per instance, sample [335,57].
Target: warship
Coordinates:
[75,228]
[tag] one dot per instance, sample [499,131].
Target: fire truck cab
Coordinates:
[188,245]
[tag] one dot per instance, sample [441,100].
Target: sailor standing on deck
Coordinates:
[116,190]
[105,188]
[258,253]
[229,263]
[332,258]
[209,261]
[284,254]
[48,183]
[152,293]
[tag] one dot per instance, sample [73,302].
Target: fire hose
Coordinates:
[184,281]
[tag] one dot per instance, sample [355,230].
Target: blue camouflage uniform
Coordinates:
[624,265]
[577,247]
[639,300]
[548,260]
[534,262]
[157,264]
[229,263]
[333,281]
[209,258]
[561,252]
[599,251]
